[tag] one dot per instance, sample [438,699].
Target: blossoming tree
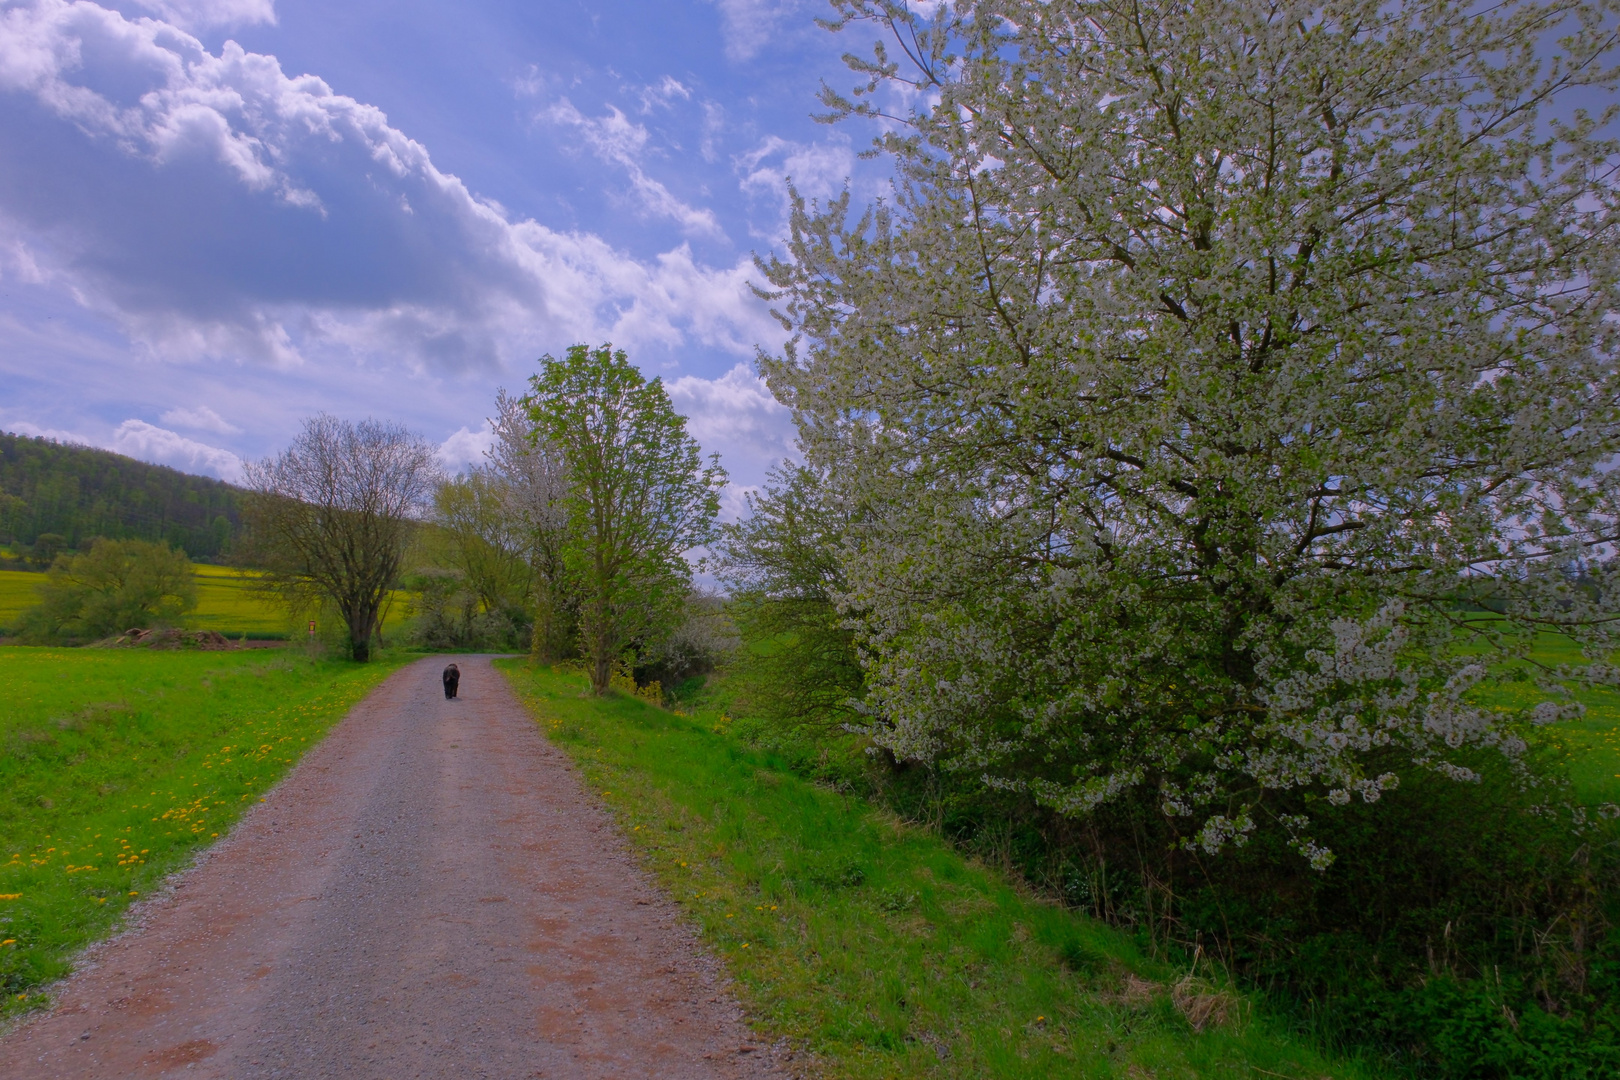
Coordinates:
[1209,358]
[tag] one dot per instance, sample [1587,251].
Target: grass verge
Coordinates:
[117,765]
[872,944]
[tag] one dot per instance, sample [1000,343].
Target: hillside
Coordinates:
[77,492]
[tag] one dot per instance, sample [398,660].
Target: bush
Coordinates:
[448,615]
[702,638]
[116,585]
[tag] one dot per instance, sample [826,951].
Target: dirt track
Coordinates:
[431,893]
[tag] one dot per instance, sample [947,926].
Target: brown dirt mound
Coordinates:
[137,638]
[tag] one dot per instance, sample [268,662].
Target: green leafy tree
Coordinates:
[478,537]
[330,517]
[638,497]
[798,665]
[46,547]
[116,585]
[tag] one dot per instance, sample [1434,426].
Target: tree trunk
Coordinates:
[361,624]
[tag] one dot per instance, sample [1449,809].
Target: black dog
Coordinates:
[452,677]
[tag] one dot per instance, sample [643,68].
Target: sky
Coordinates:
[219,217]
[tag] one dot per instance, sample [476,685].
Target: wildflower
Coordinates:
[8,941]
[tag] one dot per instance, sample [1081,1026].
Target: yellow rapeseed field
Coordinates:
[226,602]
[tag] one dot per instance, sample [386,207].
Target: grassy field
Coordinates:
[1593,742]
[117,765]
[873,944]
[226,602]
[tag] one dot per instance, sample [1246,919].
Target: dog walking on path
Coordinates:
[452,678]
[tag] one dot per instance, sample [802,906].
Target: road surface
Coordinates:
[430,893]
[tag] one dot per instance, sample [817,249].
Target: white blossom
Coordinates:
[1205,359]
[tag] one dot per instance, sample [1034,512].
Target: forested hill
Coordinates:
[55,489]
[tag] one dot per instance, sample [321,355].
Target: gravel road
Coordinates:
[430,893]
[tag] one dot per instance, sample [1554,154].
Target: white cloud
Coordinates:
[221,209]
[466,447]
[147,442]
[663,93]
[747,25]
[34,431]
[205,14]
[714,123]
[818,170]
[615,139]
[736,417]
[138,439]
[202,418]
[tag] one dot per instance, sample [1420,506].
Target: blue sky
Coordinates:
[220,216]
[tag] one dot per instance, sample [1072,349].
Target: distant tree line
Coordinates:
[56,496]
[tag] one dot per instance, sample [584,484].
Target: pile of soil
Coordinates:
[135,637]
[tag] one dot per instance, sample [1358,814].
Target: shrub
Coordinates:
[116,585]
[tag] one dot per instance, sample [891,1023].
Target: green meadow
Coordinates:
[876,946]
[116,765]
[1592,742]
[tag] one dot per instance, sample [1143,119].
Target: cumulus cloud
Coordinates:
[207,14]
[138,439]
[216,207]
[35,431]
[736,417]
[466,447]
[617,140]
[202,418]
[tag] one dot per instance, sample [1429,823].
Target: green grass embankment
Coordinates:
[117,765]
[873,944]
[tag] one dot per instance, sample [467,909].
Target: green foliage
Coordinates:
[116,766]
[477,536]
[446,613]
[116,585]
[76,493]
[798,663]
[638,498]
[870,943]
